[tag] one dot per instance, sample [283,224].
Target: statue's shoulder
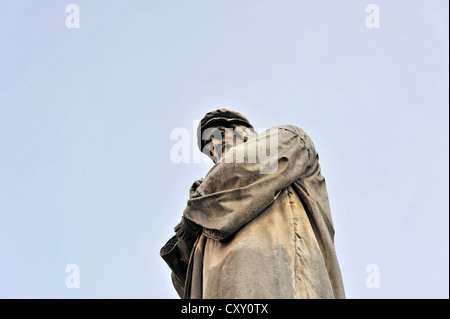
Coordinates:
[291,128]
[295,130]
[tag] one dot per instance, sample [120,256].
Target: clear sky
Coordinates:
[86,114]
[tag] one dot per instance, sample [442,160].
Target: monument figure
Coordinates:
[259,224]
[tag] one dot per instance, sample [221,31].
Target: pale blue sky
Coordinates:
[86,115]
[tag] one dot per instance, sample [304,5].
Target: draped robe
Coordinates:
[265,235]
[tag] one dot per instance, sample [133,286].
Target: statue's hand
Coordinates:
[193,190]
[187,233]
[187,229]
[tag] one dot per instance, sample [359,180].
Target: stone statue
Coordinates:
[259,224]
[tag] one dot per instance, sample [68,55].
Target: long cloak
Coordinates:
[265,235]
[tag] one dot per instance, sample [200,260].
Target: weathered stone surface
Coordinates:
[247,234]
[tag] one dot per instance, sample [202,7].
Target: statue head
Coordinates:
[221,130]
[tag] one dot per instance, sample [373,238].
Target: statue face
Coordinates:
[230,137]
